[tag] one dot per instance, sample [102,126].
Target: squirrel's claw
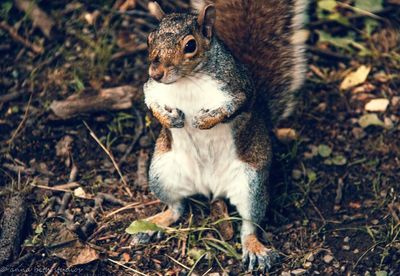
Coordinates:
[260,261]
[141,238]
[258,257]
[146,237]
[176,118]
[206,119]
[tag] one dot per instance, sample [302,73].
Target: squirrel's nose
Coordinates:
[157,76]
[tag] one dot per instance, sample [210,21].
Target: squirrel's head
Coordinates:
[178,46]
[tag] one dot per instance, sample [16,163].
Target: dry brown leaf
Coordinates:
[355,78]
[286,135]
[377,105]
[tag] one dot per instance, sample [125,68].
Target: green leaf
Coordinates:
[39,229]
[369,5]
[347,43]
[327,5]
[196,253]
[370,25]
[339,160]
[140,226]
[324,150]
[311,175]
[381,273]
[370,119]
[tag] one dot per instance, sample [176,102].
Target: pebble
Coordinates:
[296,174]
[285,273]
[328,259]
[356,251]
[122,148]
[358,132]
[346,239]
[307,265]
[346,247]
[299,271]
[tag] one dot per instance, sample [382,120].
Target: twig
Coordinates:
[11,96]
[132,206]
[64,203]
[59,188]
[339,194]
[328,53]
[138,132]
[111,157]
[21,124]
[112,199]
[126,267]
[74,173]
[14,34]
[128,52]
[141,175]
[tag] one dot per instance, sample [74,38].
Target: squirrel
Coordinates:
[220,78]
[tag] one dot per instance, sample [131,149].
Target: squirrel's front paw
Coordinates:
[176,118]
[206,119]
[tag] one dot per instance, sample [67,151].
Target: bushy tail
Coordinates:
[267,36]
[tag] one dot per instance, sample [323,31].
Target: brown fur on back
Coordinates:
[259,34]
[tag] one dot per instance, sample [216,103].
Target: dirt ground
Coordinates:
[334,190]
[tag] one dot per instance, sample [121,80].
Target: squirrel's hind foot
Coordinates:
[146,237]
[256,256]
[163,219]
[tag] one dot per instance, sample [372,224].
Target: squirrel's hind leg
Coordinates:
[169,182]
[251,202]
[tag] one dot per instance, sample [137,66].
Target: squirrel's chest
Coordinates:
[190,94]
[204,158]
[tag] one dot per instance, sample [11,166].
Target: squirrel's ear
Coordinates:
[156,10]
[206,20]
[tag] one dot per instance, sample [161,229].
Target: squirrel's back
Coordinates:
[266,36]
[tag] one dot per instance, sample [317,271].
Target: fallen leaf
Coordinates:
[79,192]
[324,150]
[355,78]
[139,226]
[126,257]
[286,135]
[355,205]
[85,255]
[370,120]
[378,105]
[220,216]
[339,160]
[369,5]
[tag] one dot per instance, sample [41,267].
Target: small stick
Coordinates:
[50,272]
[112,199]
[339,194]
[138,132]
[393,213]
[132,206]
[59,188]
[74,173]
[127,267]
[111,157]
[11,96]
[21,124]
[14,34]
[64,203]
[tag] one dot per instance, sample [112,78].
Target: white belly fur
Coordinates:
[200,161]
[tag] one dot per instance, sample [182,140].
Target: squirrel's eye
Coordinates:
[190,46]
